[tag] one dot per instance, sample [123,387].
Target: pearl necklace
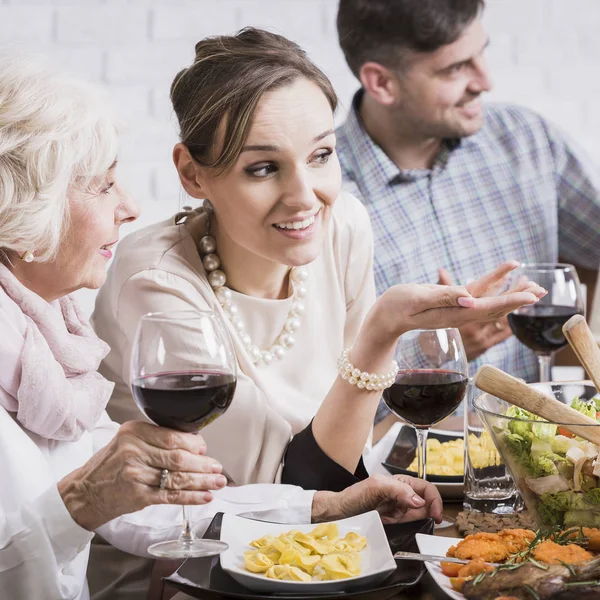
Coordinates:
[217,279]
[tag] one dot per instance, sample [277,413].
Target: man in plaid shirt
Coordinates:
[452,190]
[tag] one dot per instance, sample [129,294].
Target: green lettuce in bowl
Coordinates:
[557,473]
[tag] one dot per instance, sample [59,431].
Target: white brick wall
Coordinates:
[543,53]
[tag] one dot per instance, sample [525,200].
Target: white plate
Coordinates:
[438,545]
[377,561]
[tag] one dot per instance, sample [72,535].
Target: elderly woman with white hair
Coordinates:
[65,468]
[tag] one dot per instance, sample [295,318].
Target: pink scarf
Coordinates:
[60,393]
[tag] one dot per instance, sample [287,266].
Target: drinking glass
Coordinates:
[489,488]
[539,326]
[183,376]
[430,384]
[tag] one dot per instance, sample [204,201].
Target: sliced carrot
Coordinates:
[458,582]
[450,569]
[565,432]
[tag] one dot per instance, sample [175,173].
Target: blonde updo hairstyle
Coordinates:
[225,84]
[56,133]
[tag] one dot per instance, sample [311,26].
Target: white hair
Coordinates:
[54,132]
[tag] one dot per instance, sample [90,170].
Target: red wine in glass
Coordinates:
[183,376]
[430,384]
[184,401]
[540,327]
[424,397]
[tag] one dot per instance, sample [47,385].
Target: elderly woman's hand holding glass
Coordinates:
[125,475]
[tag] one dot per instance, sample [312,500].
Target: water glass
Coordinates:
[489,486]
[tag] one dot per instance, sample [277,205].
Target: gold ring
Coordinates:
[163,479]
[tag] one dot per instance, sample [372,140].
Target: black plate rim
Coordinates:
[431,478]
[426,527]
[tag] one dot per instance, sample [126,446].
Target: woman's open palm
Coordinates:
[430,306]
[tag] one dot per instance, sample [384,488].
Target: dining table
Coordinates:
[426,589]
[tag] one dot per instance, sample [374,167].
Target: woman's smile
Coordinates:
[299,229]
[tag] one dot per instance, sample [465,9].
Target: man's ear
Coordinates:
[188,171]
[380,83]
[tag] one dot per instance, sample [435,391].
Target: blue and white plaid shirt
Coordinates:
[514,190]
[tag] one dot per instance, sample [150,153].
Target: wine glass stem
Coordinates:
[422,452]
[187,534]
[545,362]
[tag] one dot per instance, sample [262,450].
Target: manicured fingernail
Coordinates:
[220,480]
[418,500]
[466,302]
[216,468]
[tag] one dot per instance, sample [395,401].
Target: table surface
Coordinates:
[426,589]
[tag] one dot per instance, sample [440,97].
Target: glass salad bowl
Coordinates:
[558,474]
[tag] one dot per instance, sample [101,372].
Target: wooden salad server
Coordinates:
[514,391]
[580,337]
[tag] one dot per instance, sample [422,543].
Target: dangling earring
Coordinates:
[207,206]
[27,256]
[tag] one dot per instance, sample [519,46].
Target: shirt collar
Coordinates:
[374,164]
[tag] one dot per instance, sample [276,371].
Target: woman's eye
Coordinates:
[457,69]
[322,157]
[107,189]
[261,170]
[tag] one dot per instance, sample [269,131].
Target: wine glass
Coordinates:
[430,384]
[539,326]
[183,376]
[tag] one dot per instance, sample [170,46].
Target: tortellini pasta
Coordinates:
[316,556]
[447,458]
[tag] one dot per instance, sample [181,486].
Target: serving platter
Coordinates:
[204,578]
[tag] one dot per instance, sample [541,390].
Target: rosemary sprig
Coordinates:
[566,537]
[537,564]
[531,591]
[581,583]
[480,577]
[505,567]
[568,566]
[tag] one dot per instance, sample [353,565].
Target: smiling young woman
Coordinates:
[286,259]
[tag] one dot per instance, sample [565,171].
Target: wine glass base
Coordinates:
[193,549]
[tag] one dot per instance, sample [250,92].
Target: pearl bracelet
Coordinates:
[362,379]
